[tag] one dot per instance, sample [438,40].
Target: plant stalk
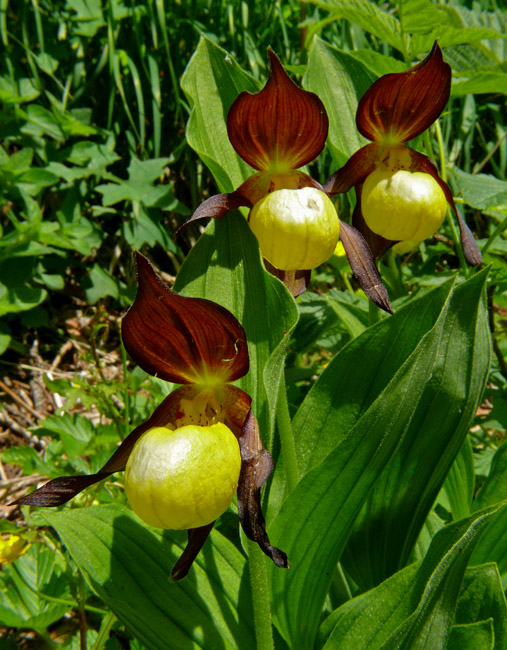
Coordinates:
[260,597]
[443,173]
[286,437]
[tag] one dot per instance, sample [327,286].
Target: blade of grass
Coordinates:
[156,100]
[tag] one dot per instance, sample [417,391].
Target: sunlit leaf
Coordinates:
[340,81]
[225,266]
[386,530]
[212,81]
[128,565]
[414,609]
[315,521]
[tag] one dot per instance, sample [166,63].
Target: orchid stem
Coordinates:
[395,273]
[286,437]
[443,173]
[260,597]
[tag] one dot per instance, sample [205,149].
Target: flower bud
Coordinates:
[401,205]
[296,229]
[184,478]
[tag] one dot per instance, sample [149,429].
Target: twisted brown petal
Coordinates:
[280,124]
[60,490]
[363,265]
[216,207]
[401,105]
[196,539]
[356,169]
[256,467]
[179,339]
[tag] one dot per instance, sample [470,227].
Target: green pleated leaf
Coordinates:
[494,487]
[211,82]
[128,565]
[431,526]
[352,382]
[472,636]
[438,582]
[368,16]
[358,374]
[414,608]
[366,621]
[482,598]
[225,266]
[340,80]
[316,519]
[34,589]
[390,522]
[460,482]
[493,544]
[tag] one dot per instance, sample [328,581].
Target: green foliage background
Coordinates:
[388,493]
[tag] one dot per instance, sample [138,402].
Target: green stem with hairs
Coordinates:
[443,173]
[105,629]
[286,437]
[260,597]
[395,273]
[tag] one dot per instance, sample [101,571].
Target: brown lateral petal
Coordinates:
[180,339]
[60,490]
[236,404]
[357,168]
[469,245]
[470,249]
[363,265]
[196,539]
[376,243]
[281,123]
[256,466]
[297,282]
[216,207]
[401,105]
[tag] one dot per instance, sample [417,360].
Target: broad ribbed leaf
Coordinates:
[460,482]
[24,585]
[482,598]
[315,521]
[481,191]
[225,266]
[211,82]
[364,622]
[418,602]
[493,545]
[439,582]
[128,565]
[388,527]
[368,16]
[358,374]
[472,636]
[340,80]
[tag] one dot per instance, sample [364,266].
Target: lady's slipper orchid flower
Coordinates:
[202,442]
[277,131]
[400,195]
